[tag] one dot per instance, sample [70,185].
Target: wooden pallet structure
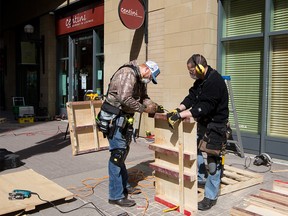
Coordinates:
[84,134]
[34,182]
[267,202]
[175,164]
[235,179]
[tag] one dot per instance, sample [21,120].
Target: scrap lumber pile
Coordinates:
[267,202]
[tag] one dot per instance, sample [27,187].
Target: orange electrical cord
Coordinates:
[135,176]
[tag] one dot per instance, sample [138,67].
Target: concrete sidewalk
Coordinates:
[42,147]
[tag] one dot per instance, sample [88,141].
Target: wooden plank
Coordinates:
[171,204]
[95,131]
[29,180]
[172,171]
[237,179]
[280,197]
[235,211]
[263,211]
[280,186]
[242,172]
[236,176]
[268,203]
[181,167]
[172,151]
[228,181]
[253,210]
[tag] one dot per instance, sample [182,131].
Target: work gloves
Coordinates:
[169,114]
[173,117]
[160,109]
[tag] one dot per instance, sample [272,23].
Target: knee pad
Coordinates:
[118,156]
[213,164]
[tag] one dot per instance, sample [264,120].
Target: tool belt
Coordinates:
[214,140]
[110,118]
[106,119]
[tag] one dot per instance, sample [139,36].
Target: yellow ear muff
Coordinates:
[200,69]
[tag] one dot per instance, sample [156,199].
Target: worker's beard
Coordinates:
[193,76]
[145,80]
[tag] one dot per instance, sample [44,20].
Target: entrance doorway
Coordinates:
[81,63]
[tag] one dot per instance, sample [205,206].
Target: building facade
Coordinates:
[78,45]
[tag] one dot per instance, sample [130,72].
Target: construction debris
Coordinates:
[267,202]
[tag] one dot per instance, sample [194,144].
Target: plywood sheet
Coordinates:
[32,181]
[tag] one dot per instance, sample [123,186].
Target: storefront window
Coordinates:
[243,25]
[253,49]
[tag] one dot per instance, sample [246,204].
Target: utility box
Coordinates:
[20,110]
[26,111]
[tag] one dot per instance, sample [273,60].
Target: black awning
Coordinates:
[15,12]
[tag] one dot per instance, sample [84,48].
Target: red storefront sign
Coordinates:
[131,13]
[83,20]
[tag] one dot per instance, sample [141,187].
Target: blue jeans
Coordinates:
[212,183]
[118,175]
[202,172]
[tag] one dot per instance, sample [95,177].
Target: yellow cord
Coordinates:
[170,209]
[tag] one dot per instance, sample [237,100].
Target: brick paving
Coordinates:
[42,147]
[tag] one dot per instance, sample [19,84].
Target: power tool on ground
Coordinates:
[263,159]
[19,194]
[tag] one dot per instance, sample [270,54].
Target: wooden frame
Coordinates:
[175,164]
[84,134]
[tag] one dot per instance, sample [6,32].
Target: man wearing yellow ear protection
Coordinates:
[207,103]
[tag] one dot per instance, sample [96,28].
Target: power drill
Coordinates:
[19,194]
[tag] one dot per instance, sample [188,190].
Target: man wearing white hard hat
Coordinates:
[126,94]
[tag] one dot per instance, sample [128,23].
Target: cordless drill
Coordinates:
[19,194]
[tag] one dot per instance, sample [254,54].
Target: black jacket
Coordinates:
[208,99]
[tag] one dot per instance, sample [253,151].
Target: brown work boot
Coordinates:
[124,202]
[206,204]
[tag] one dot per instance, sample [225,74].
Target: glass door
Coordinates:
[83,65]
[80,66]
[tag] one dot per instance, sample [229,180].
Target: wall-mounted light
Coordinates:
[29,29]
